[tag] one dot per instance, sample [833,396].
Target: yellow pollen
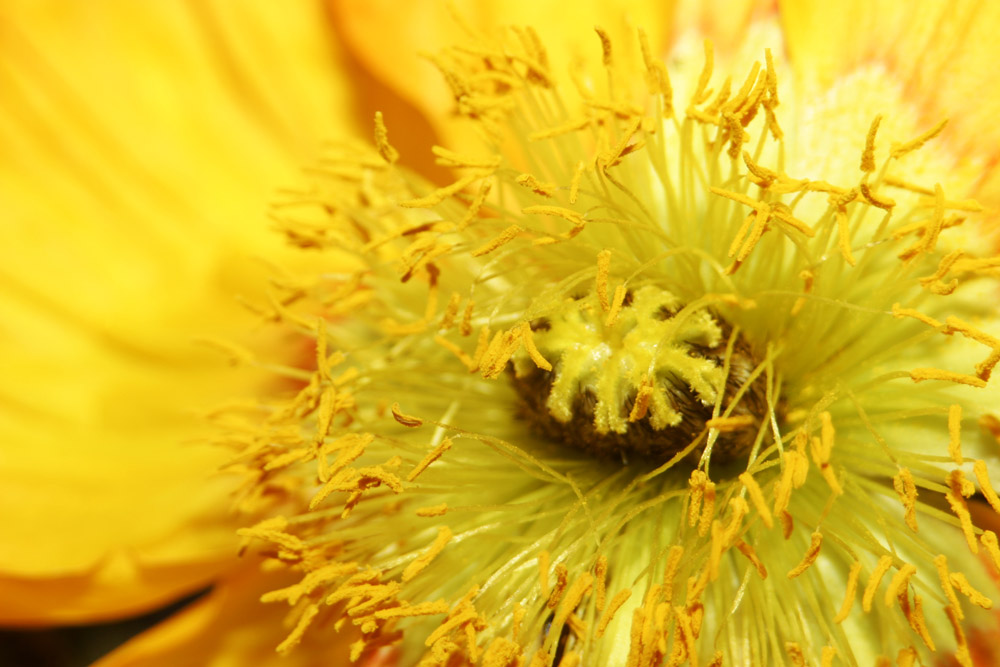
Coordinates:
[620,598]
[934,282]
[581,586]
[670,571]
[603,267]
[505,237]
[899,150]
[829,653]
[941,563]
[441,194]
[849,595]
[962,652]
[919,623]
[989,540]
[883,565]
[701,92]
[458,352]
[559,130]
[556,211]
[447,158]
[616,305]
[562,581]
[433,456]
[601,574]
[422,561]
[868,195]
[388,153]
[868,155]
[657,78]
[955,433]
[795,654]
[433,510]
[906,488]
[543,573]
[844,235]
[898,583]
[405,420]
[527,337]
[751,555]
[900,312]
[757,498]
[466,326]
[982,475]
[574,187]
[477,203]
[816,541]
[295,636]
[533,184]
[975,597]
[907,657]
[959,489]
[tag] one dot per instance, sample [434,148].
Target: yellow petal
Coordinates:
[230,627]
[142,143]
[942,52]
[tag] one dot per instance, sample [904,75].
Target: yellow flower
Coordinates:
[538,527]
[664,375]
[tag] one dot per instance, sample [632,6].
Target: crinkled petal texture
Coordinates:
[142,144]
[677,368]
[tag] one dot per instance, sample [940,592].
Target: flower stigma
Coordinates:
[630,390]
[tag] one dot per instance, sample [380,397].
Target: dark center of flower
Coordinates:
[650,381]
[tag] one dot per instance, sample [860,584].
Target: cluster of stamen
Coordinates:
[511,267]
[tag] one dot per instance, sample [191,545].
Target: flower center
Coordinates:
[649,380]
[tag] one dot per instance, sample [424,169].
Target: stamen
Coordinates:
[899,582]
[962,652]
[941,563]
[433,510]
[620,598]
[884,563]
[533,184]
[441,194]
[505,237]
[907,489]
[405,420]
[433,456]
[868,156]
[955,433]
[975,597]
[601,573]
[388,153]
[959,489]
[757,497]
[816,541]
[899,150]
[603,267]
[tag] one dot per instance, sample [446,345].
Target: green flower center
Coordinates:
[649,379]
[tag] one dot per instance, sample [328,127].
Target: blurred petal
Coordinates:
[384,36]
[142,143]
[229,627]
[942,51]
